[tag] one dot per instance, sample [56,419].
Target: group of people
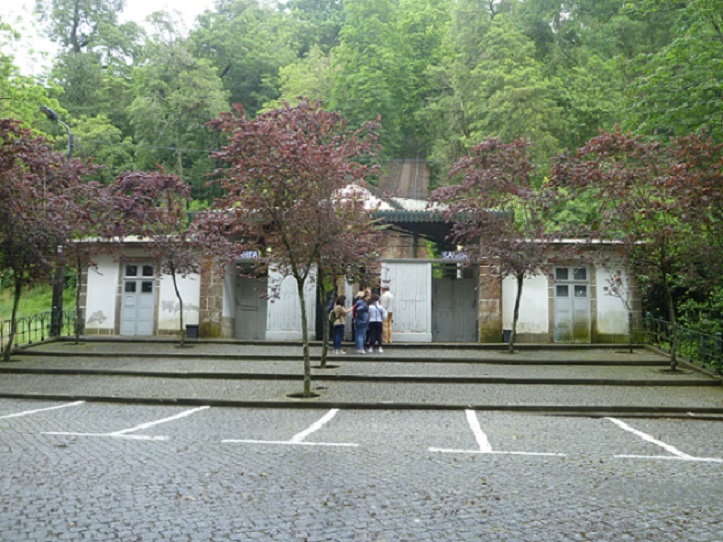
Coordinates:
[372,320]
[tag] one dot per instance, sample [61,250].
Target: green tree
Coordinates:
[318,23]
[421,30]
[246,42]
[311,77]
[98,139]
[96,55]
[175,95]
[512,97]
[20,96]
[490,85]
[679,88]
[369,70]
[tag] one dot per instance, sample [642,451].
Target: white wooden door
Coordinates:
[250,308]
[410,282]
[572,305]
[138,300]
[284,309]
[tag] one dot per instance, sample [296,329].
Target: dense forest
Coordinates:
[440,74]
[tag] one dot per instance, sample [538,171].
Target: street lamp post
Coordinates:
[56,313]
[52,115]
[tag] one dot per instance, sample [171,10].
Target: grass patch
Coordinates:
[33,301]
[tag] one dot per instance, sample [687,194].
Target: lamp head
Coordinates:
[50,113]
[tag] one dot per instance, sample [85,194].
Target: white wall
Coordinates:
[169,313]
[534,315]
[612,316]
[102,288]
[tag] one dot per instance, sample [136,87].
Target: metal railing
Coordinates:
[702,349]
[37,328]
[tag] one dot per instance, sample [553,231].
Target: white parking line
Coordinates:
[483,442]
[678,455]
[479,435]
[29,412]
[298,439]
[124,433]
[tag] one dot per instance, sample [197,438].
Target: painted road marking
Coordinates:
[298,439]
[124,433]
[677,455]
[483,442]
[29,412]
[479,435]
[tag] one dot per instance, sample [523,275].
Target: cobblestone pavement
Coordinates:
[101,472]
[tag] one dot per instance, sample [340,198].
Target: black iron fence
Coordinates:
[39,327]
[702,349]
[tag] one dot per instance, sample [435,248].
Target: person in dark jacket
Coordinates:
[361,323]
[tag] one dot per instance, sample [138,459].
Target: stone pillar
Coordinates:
[211,299]
[490,305]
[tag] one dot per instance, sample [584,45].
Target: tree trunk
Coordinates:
[78,285]
[304,337]
[516,313]
[13,319]
[180,305]
[325,326]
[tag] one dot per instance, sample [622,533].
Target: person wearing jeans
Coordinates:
[377,315]
[339,322]
[361,323]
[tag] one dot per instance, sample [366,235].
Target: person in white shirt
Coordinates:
[377,316]
[387,301]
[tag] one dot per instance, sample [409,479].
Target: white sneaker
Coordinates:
[369,350]
[381,350]
[341,352]
[360,352]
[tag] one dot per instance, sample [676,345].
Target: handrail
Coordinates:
[36,328]
[702,349]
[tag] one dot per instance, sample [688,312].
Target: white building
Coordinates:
[436,300]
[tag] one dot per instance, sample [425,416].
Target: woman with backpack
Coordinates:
[338,322]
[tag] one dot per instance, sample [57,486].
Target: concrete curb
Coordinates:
[315,343]
[350,357]
[402,379]
[318,403]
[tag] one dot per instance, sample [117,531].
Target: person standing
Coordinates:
[377,316]
[361,323]
[339,323]
[387,301]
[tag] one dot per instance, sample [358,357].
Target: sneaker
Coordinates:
[341,352]
[381,350]
[369,350]
[361,352]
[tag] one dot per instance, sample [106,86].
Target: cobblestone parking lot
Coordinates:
[95,471]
